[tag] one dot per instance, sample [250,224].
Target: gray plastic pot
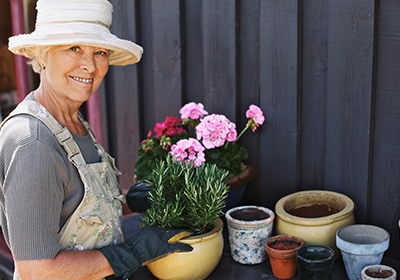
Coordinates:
[366,272]
[361,246]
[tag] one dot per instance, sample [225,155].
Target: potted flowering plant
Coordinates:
[207,138]
[188,179]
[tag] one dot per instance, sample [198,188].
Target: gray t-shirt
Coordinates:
[39,187]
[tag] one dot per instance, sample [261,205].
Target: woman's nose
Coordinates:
[88,63]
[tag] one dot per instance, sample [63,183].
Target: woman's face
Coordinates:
[73,73]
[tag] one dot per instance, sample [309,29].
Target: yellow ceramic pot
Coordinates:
[319,230]
[194,265]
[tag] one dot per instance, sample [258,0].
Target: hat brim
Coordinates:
[123,52]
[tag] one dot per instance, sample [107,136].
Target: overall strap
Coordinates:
[62,134]
[87,126]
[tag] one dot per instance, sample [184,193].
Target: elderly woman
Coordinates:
[61,210]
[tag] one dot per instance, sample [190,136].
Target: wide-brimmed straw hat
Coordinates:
[76,22]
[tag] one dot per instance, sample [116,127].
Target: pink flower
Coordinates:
[193,111]
[215,130]
[188,150]
[159,129]
[256,114]
[232,134]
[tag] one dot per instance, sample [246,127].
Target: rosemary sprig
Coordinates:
[186,197]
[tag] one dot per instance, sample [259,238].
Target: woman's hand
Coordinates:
[148,245]
[137,197]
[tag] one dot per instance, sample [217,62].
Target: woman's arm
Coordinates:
[66,265]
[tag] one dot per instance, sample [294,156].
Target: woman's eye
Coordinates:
[74,49]
[102,52]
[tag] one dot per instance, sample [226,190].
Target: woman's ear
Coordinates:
[40,58]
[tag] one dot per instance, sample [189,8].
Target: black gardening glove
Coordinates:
[148,245]
[112,277]
[137,197]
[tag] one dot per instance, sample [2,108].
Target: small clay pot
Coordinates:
[249,227]
[374,272]
[281,250]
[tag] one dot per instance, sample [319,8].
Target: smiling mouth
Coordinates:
[82,80]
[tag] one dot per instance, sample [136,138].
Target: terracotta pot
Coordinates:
[374,272]
[281,250]
[195,265]
[249,227]
[335,211]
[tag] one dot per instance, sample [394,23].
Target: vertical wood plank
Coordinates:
[314,93]
[249,70]
[278,91]
[122,98]
[348,114]
[162,77]
[147,94]
[219,57]
[385,195]
[193,82]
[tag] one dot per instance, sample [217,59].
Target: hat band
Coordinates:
[74,21]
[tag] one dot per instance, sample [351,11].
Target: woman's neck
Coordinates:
[65,112]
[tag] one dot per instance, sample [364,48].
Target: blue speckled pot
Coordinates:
[361,246]
[249,232]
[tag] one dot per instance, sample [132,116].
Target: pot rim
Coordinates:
[251,223]
[366,248]
[283,253]
[304,248]
[205,236]
[346,212]
[380,267]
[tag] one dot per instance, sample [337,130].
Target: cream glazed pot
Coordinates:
[319,230]
[195,265]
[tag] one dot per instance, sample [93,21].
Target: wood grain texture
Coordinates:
[385,195]
[162,80]
[349,97]
[219,57]
[325,73]
[122,99]
[278,98]
[193,54]
[314,76]
[249,85]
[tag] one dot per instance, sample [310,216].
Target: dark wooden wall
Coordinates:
[325,72]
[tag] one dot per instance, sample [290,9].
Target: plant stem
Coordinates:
[241,133]
[237,138]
